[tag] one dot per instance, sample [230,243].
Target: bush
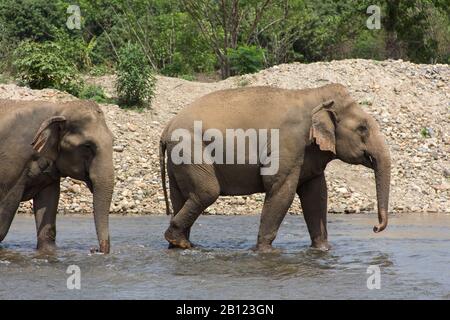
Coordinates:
[135,80]
[187,77]
[76,49]
[93,92]
[246,59]
[369,45]
[100,70]
[4,79]
[42,65]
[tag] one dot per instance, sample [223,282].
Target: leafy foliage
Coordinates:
[42,65]
[31,19]
[246,59]
[187,37]
[93,92]
[135,80]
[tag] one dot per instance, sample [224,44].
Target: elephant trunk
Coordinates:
[382,168]
[102,178]
[10,203]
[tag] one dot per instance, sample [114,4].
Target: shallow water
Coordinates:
[413,255]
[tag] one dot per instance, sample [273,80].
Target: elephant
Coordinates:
[41,142]
[315,126]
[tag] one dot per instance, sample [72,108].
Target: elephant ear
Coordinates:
[323,127]
[46,141]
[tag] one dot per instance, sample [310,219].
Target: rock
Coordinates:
[131,127]
[342,190]
[446,173]
[75,188]
[442,187]
[118,148]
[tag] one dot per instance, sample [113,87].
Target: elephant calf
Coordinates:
[314,127]
[40,142]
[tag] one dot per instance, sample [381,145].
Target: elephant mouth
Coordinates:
[369,160]
[90,185]
[87,179]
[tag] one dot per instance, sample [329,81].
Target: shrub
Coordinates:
[100,70]
[425,132]
[369,45]
[135,80]
[243,82]
[4,79]
[76,49]
[187,77]
[246,59]
[93,92]
[42,65]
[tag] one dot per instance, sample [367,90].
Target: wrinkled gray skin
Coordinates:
[316,126]
[40,142]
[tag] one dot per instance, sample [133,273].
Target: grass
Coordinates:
[243,82]
[187,77]
[366,103]
[95,93]
[5,79]
[425,132]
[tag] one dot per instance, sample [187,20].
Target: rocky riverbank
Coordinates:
[411,103]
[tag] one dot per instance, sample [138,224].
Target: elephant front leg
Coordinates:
[276,204]
[45,205]
[313,197]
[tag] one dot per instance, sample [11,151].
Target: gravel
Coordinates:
[410,101]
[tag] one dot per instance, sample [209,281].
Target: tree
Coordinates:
[409,28]
[224,24]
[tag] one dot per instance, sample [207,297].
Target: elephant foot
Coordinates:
[171,246]
[177,239]
[46,247]
[266,248]
[321,245]
[104,247]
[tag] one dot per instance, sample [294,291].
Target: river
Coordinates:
[413,257]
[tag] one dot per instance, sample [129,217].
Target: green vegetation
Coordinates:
[246,59]
[43,65]
[187,37]
[243,82]
[135,80]
[425,132]
[93,92]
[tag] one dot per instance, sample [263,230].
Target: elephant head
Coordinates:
[79,142]
[341,126]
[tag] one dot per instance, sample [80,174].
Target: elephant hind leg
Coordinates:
[178,200]
[177,233]
[201,188]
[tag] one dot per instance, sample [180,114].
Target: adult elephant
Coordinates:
[40,142]
[315,126]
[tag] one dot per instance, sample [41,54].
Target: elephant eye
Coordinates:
[88,145]
[362,129]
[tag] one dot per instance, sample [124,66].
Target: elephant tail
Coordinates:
[162,164]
